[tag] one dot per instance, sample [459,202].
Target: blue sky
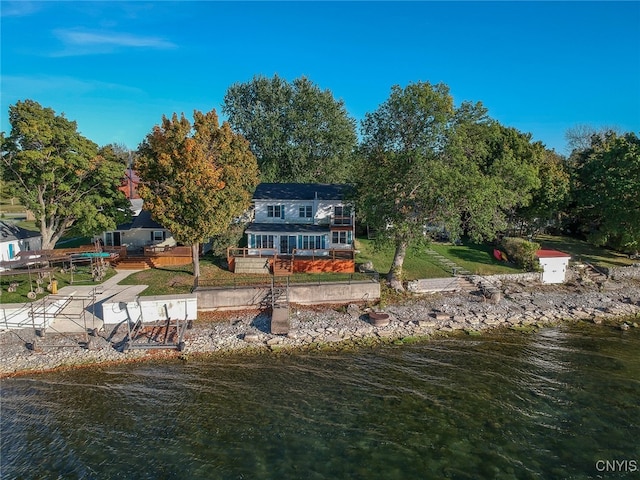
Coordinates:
[117,67]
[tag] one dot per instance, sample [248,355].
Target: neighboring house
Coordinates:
[303,222]
[142,231]
[14,239]
[554,265]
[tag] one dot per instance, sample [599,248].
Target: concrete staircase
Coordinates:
[592,274]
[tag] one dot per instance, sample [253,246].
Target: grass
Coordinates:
[478,259]
[27,283]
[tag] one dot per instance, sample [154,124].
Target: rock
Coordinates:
[365,267]
[251,338]
[353,310]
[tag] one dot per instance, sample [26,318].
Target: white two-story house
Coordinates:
[301,218]
[299,227]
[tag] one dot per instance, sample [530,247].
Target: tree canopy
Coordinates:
[606,182]
[62,177]
[427,163]
[298,132]
[195,179]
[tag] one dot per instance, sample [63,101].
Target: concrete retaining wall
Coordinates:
[151,309]
[210,299]
[526,277]
[432,285]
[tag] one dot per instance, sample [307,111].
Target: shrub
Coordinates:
[522,252]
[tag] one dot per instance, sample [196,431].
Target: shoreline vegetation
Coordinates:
[524,307]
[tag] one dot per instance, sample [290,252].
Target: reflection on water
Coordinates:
[511,406]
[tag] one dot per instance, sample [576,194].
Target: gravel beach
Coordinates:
[522,307]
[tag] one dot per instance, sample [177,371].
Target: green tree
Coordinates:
[606,180]
[196,179]
[62,177]
[427,163]
[297,132]
[550,200]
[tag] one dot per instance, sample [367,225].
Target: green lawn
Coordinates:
[478,259]
[27,282]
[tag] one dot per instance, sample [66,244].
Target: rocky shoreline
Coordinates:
[521,306]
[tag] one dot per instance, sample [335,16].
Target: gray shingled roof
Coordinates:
[143,220]
[286,228]
[10,232]
[301,191]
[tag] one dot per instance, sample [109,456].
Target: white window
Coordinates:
[157,236]
[263,241]
[310,242]
[275,211]
[341,237]
[306,211]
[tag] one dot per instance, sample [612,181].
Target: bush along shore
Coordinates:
[519,306]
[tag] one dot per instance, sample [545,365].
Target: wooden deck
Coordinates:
[252,260]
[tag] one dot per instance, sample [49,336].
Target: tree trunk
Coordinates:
[195,256]
[394,277]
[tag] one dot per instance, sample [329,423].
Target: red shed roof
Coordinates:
[544,253]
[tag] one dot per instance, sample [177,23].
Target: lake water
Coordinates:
[560,403]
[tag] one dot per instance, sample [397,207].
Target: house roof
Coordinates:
[142,220]
[10,232]
[301,191]
[292,228]
[545,253]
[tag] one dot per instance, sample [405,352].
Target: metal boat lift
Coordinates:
[159,334]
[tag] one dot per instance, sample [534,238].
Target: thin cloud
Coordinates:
[18,9]
[78,42]
[36,85]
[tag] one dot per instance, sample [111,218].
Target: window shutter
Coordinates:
[282,212]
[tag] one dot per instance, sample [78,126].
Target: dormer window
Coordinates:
[306,211]
[275,211]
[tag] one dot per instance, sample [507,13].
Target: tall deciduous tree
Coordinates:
[550,200]
[426,163]
[607,190]
[59,175]
[196,179]
[298,132]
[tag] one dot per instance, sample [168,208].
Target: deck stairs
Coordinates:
[282,266]
[134,263]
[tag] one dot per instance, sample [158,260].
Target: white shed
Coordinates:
[554,265]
